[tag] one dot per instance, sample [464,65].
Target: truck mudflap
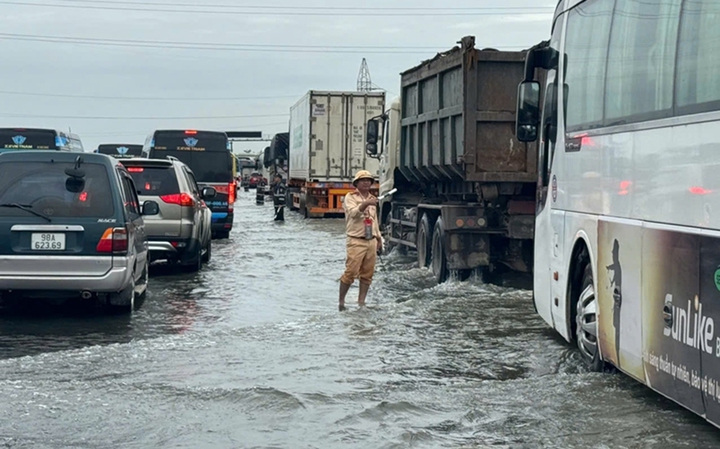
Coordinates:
[467,240]
[467,251]
[521,227]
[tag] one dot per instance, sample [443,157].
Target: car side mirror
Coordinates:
[150,208]
[528,111]
[208,192]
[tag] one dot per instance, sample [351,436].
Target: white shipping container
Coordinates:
[327,135]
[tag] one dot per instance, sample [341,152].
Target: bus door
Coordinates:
[549,220]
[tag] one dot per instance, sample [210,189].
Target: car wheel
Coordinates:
[144,282]
[123,301]
[208,251]
[195,266]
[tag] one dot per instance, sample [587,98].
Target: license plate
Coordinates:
[47,242]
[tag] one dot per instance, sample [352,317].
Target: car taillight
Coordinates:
[114,240]
[135,169]
[232,187]
[181,199]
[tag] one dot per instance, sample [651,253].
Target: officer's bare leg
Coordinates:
[364,287]
[343,293]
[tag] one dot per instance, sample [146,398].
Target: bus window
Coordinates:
[208,156]
[588,32]
[33,139]
[641,61]
[698,89]
[120,151]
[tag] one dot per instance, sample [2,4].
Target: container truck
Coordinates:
[275,156]
[465,185]
[327,148]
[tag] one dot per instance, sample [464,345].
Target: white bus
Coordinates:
[627,233]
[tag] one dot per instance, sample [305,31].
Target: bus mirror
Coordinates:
[372,134]
[528,111]
[371,149]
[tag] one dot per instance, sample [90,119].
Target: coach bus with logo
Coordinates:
[120,150]
[209,156]
[627,238]
[17,139]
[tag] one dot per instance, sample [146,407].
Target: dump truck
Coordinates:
[327,147]
[465,198]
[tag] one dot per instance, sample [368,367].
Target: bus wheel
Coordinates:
[439,262]
[587,324]
[424,236]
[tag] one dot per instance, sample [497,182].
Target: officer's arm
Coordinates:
[352,206]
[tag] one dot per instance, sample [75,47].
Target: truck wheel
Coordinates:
[303,206]
[423,241]
[439,261]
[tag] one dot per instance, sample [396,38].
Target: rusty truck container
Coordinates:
[458,118]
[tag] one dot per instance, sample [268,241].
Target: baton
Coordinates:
[387,194]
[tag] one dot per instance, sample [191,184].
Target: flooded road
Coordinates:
[252,353]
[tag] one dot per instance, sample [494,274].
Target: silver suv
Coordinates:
[181,233]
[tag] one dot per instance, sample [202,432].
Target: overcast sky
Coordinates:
[235,65]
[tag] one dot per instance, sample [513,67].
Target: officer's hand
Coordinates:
[372,201]
[379,246]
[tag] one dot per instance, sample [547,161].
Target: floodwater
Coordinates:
[252,353]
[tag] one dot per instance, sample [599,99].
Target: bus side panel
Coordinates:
[542,277]
[556,262]
[579,228]
[670,283]
[618,290]
[709,342]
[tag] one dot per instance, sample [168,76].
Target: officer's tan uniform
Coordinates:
[361,253]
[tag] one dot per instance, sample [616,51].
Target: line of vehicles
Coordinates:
[81,224]
[587,161]
[465,184]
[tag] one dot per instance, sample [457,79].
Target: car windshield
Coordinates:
[43,187]
[154,181]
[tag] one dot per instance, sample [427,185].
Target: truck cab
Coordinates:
[389,155]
